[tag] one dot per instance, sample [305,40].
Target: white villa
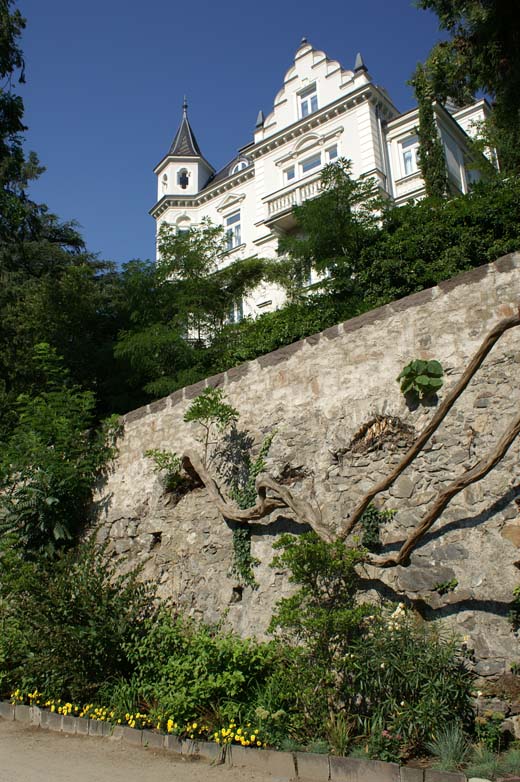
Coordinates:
[321,113]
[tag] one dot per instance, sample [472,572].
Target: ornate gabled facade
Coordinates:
[322,112]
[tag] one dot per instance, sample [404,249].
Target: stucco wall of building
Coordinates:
[316,394]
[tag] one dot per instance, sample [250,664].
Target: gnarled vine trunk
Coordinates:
[307,513]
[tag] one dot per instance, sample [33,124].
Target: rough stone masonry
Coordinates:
[317,394]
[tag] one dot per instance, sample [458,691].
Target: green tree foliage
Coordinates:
[50,461]
[482,53]
[332,229]
[421,244]
[188,300]
[51,290]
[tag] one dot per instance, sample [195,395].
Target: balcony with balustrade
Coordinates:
[280,203]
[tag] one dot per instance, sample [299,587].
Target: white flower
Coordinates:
[403,703]
[382,665]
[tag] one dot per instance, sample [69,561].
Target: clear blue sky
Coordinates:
[106,78]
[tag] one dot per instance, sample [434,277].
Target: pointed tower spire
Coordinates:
[359,65]
[185,144]
[260,119]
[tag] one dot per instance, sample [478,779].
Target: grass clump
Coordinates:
[450,747]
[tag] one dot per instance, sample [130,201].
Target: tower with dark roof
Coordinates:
[184,170]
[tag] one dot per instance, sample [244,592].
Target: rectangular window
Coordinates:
[311,162]
[308,101]
[236,312]
[290,174]
[409,154]
[332,153]
[233,233]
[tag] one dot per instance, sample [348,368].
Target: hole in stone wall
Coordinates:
[157,539]
[291,475]
[236,594]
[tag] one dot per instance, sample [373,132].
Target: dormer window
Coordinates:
[307,101]
[238,167]
[183,178]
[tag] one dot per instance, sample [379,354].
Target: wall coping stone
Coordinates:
[311,767]
[286,766]
[504,264]
[6,710]
[350,769]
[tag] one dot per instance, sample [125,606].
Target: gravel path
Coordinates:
[29,754]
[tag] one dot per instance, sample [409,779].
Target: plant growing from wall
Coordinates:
[243,492]
[213,414]
[371,521]
[230,450]
[443,587]
[514,609]
[421,378]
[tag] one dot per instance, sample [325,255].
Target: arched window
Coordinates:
[183,178]
[183,225]
[239,166]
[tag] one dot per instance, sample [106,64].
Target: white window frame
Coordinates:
[409,155]
[233,230]
[308,101]
[333,148]
[289,175]
[316,156]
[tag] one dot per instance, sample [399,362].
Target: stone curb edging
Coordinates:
[283,766]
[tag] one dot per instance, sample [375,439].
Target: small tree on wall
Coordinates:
[272,495]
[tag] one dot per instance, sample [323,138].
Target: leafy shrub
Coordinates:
[394,675]
[407,675]
[488,731]
[421,378]
[50,462]
[187,669]
[66,623]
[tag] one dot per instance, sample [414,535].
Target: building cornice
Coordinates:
[196,200]
[182,159]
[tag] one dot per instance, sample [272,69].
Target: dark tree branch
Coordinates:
[478,472]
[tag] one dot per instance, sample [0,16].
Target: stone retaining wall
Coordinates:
[316,394]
